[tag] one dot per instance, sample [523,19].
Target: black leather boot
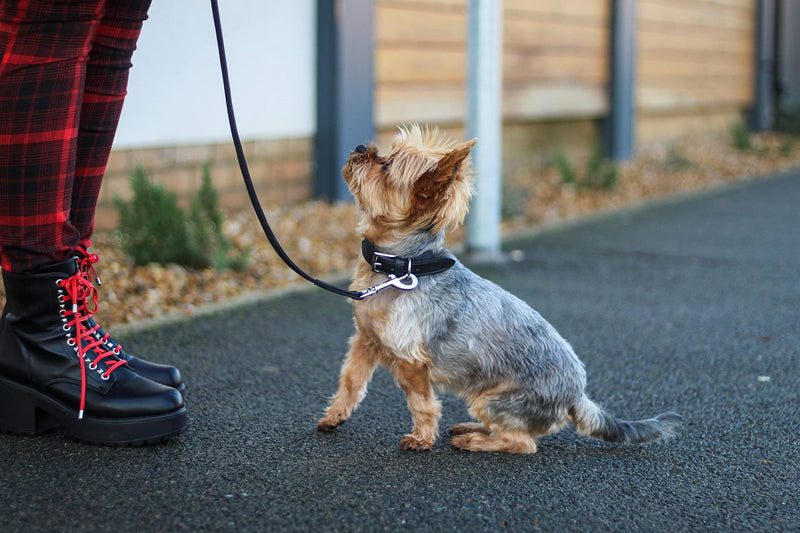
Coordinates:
[54,371]
[164,374]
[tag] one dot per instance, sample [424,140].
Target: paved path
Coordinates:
[692,305]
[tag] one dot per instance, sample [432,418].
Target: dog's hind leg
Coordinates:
[499,440]
[357,370]
[425,409]
[469,427]
[503,428]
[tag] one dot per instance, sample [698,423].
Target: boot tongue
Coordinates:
[69,268]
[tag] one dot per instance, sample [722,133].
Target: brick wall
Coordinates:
[281,172]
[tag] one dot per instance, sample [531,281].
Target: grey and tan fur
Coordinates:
[457,331]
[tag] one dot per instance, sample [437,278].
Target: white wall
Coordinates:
[175,89]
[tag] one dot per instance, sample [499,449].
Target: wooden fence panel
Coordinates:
[695,54]
[554,59]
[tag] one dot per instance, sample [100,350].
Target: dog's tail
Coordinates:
[591,420]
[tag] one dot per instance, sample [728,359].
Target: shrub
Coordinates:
[741,137]
[153,228]
[600,173]
[566,169]
[676,161]
[206,222]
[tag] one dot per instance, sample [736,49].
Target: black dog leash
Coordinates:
[404,271]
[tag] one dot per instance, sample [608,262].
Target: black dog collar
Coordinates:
[397,266]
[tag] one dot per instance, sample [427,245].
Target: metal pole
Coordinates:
[345,50]
[622,110]
[484,121]
[787,53]
[762,115]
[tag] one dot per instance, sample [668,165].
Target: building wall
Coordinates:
[175,88]
[694,71]
[280,169]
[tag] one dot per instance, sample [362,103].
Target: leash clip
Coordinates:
[393,281]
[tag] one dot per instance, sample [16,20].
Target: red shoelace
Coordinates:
[90,347]
[86,261]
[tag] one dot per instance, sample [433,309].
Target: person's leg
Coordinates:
[45,49]
[104,92]
[55,369]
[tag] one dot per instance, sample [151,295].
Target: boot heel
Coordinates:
[18,412]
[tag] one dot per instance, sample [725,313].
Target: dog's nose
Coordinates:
[361,149]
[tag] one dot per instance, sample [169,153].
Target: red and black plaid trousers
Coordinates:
[63,78]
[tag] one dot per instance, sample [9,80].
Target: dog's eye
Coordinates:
[385,166]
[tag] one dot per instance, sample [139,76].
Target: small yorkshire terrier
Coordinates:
[434,323]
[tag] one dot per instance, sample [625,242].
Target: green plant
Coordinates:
[206,223]
[601,173]
[565,169]
[152,225]
[676,161]
[153,228]
[741,137]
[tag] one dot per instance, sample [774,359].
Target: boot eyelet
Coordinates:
[62,313]
[105,377]
[71,342]
[92,366]
[65,327]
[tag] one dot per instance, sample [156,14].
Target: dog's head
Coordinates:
[422,184]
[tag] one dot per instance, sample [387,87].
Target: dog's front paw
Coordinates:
[329,423]
[415,444]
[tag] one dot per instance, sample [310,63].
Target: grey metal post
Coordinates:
[621,126]
[762,115]
[484,121]
[788,52]
[345,50]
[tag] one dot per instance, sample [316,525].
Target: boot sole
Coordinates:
[26,411]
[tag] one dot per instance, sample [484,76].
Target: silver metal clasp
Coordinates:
[405,283]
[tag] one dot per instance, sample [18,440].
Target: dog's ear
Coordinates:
[441,199]
[449,165]
[437,179]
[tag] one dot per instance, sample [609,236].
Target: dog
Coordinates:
[454,330]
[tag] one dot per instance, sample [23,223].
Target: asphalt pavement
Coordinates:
[691,305]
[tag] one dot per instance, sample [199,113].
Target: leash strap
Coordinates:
[402,271]
[248,181]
